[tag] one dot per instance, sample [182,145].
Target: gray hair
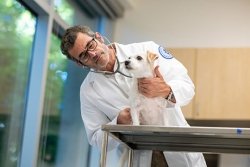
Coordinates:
[69,37]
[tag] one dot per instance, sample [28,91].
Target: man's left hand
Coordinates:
[154,87]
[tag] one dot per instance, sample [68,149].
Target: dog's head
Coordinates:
[141,65]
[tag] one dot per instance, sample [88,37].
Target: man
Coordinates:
[104,92]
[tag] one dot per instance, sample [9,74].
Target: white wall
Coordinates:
[187,23]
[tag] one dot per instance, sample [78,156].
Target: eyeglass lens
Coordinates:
[91,46]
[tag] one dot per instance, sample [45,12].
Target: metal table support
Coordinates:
[191,139]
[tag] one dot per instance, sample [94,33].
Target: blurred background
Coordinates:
[40,121]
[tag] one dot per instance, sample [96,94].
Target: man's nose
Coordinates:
[91,53]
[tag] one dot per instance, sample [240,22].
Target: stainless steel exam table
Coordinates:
[189,139]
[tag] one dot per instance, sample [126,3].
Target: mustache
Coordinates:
[97,57]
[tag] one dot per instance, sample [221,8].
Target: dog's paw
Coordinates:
[136,123]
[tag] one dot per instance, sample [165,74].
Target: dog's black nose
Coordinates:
[127,62]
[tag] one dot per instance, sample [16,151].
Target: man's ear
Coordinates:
[151,57]
[99,37]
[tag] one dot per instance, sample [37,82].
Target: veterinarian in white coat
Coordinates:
[104,97]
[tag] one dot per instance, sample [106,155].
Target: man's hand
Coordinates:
[154,87]
[124,117]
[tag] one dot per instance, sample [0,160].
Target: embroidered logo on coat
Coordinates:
[164,53]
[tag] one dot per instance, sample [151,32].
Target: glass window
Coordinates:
[62,141]
[56,76]
[17,27]
[65,10]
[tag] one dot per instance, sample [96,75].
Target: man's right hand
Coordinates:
[124,117]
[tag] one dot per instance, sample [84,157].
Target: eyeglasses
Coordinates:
[84,56]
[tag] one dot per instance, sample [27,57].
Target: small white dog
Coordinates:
[144,110]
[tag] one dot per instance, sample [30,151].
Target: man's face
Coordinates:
[89,51]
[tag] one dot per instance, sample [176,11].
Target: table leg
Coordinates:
[104,149]
[130,158]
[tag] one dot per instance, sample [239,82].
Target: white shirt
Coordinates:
[104,96]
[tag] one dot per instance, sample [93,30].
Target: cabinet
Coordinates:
[222,80]
[188,58]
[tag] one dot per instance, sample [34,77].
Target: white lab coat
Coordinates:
[104,96]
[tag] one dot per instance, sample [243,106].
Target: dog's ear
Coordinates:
[151,56]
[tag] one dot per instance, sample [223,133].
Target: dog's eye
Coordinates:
[139,58]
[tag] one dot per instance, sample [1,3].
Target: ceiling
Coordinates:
[111,9]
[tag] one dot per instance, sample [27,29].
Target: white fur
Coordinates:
[144,110]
